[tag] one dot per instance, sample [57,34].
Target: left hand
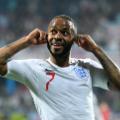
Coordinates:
[86,42]
[37,37]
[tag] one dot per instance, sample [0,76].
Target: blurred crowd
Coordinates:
[99,18]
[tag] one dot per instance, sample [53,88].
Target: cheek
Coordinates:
[69,40]
[50,37]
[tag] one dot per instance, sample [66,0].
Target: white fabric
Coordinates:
[69,95]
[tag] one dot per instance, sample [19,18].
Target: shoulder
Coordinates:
[26,61]
[87,62]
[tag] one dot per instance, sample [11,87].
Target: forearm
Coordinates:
[9,50]
[112,70]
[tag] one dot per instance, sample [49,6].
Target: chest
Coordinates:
[49,81]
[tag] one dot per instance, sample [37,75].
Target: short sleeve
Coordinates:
[16,71]
[99,76]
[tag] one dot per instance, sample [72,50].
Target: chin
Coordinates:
[60,54]
[57,54]
[57,51]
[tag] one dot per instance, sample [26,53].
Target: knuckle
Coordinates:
[36,29]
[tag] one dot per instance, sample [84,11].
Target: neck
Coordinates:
[60,61]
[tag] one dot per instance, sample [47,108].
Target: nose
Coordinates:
[58,35]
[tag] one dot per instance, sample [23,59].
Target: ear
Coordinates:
[75,39]
[46,37]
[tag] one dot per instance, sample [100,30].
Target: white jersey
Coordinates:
[60,93]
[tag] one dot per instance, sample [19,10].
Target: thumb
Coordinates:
[77,40]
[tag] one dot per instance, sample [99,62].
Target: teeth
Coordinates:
[56,44]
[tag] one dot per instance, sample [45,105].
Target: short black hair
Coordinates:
[68,18]
[64,17]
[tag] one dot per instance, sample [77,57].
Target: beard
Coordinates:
[66,50]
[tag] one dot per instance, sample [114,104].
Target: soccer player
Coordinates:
[61,86]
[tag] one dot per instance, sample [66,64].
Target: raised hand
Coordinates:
[37,37]
[86,42]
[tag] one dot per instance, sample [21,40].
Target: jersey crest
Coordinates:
[81,72]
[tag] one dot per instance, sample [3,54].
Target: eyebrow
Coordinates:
[64,28]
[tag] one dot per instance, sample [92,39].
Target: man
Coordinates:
[61,86]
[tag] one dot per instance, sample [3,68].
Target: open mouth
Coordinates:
[57,45]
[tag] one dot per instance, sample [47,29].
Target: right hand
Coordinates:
[37,37]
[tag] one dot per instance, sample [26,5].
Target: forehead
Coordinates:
[61,23]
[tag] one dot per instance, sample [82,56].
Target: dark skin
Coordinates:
[61,34]
[60,38]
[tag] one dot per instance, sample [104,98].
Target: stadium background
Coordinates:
[99,18]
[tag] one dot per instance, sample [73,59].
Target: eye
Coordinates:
[53,32]
[65,33]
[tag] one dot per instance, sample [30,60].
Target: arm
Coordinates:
[34,38]
[112,70]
